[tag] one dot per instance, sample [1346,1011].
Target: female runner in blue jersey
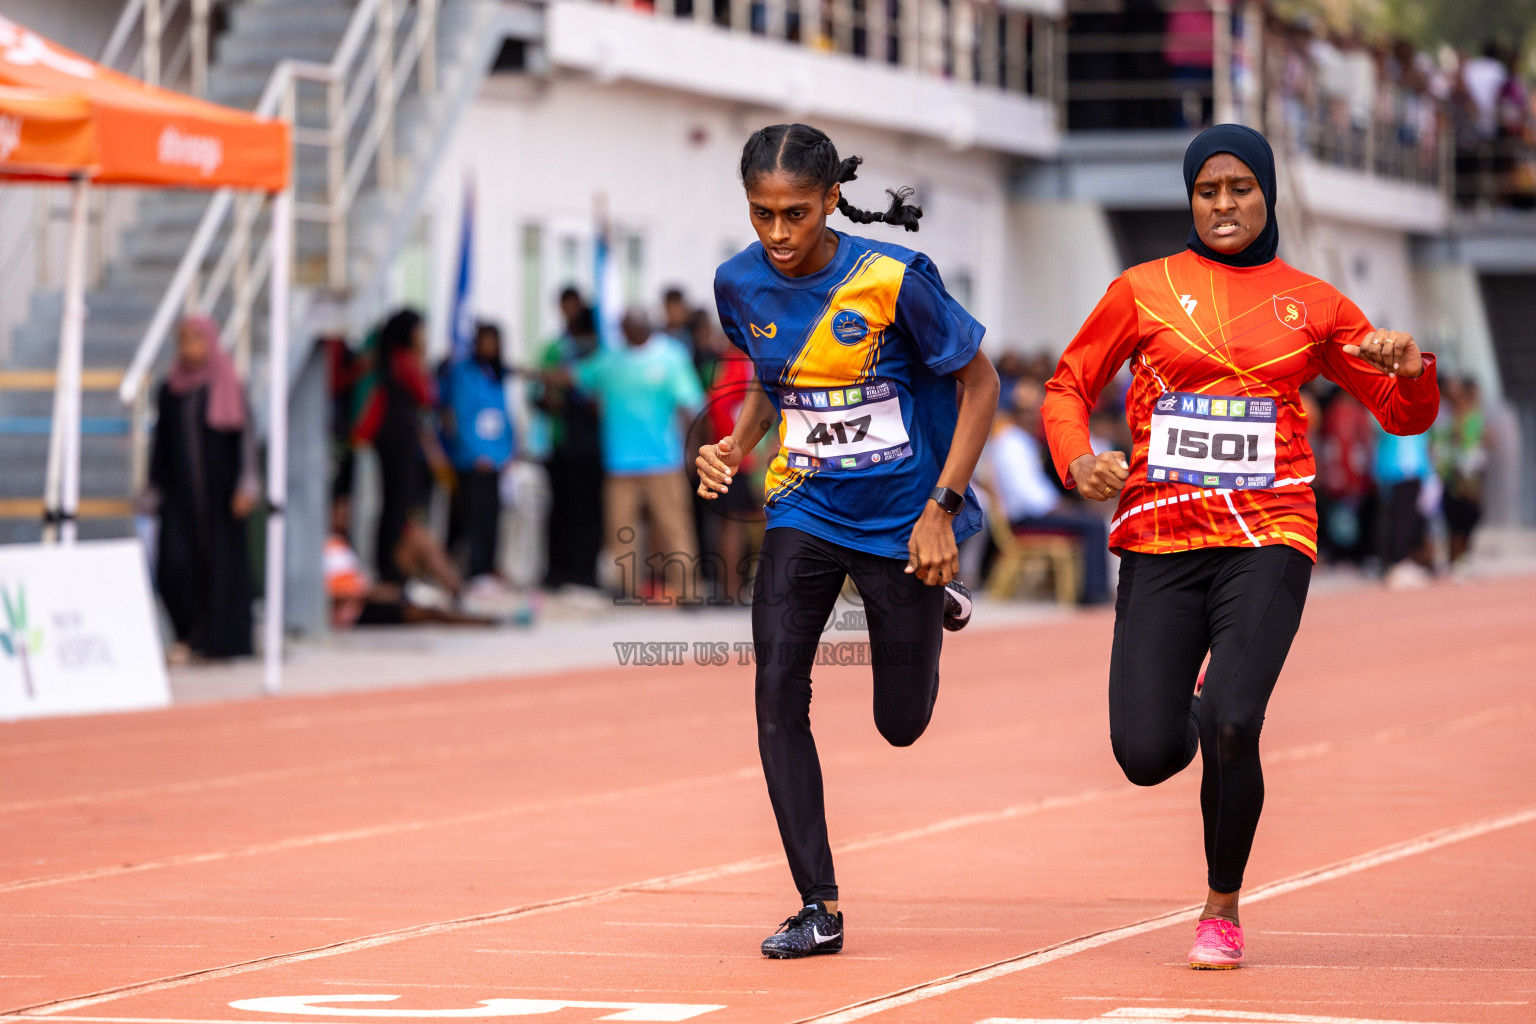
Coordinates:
[875,379]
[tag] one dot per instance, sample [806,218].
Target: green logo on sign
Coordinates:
[16,640]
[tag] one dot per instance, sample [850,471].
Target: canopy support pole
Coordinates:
[62,487]
[278,290]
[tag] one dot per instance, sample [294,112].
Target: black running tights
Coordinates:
[1243,605]
[798,580]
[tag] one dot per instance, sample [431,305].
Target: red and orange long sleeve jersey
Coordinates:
[1218,354]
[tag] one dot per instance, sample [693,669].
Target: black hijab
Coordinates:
[1252,149]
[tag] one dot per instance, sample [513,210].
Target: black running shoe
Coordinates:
[957,606]
[808,933]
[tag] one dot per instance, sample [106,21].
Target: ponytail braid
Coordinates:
[811,159]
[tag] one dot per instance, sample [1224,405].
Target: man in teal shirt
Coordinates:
[648,390]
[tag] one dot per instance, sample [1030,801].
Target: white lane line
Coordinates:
[1396,935]
[662,883]
[675,881]
[378,831]
[144,1020]
[1050,954]
[1372,967]
[1306,1002]
[414,758]
[749,954]
[864,929]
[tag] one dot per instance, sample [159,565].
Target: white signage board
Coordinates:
[78,631]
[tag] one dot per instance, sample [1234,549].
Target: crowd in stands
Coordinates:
[603,431]
[1386,106]
[1367,102]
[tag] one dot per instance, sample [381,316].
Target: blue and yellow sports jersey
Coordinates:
[856,358]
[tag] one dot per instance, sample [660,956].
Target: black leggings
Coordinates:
[1243,605]
[798,580]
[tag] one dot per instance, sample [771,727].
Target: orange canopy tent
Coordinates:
[45,136]
[128,133]
[63,117]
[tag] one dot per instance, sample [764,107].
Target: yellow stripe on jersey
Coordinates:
[869,290]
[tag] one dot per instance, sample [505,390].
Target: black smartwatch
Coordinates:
[948,500]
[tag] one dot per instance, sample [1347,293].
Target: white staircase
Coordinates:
[372,88]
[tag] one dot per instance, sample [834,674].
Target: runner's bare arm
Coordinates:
[717,462]
[933,554]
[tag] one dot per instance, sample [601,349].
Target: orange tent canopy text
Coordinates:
[61,114]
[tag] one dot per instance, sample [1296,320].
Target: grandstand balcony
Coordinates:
[969,73]
[1143,78]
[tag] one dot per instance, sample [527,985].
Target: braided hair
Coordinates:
[808,156]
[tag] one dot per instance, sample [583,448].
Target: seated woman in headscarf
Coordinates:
[203,482]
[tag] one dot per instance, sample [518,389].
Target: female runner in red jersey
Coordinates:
[1216,526]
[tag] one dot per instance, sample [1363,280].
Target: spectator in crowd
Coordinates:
[646,390]
[676,316]
[1027,493]
[1402,465]
[396,396]
[357,600]
[575,466]
[203,483]
[477,429]
[1460,457]
[1189,37]
[1346,495]
[1484,77]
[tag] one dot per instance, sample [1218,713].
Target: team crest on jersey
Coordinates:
[1291,312]
[849,326]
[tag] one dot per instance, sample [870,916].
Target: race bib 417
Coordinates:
[858,427]
[1213,441]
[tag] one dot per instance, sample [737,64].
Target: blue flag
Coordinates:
[462,328]
[608,299]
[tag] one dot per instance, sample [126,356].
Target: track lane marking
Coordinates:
[685,878]
[436,753]
[377,831]
[1093,940]
[1301,752]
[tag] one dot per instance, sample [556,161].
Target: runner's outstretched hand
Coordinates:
[1100,477]
[1393,352]
[717,466]
[931,550]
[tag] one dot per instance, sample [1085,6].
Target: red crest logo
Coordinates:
[1291,312]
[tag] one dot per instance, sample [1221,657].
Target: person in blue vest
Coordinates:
[477,431]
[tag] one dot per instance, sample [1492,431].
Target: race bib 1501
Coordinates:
[1213,441]
[856,427]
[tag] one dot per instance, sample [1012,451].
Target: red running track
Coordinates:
[530,847]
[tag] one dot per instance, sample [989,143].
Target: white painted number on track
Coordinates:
[1159,1015]
[487,1008]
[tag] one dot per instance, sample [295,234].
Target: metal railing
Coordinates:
[161,42]
[171,44]
[377,59]
[1496,173]
[983,42]
[1163,65]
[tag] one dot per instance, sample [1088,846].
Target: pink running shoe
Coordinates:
[1218,946]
